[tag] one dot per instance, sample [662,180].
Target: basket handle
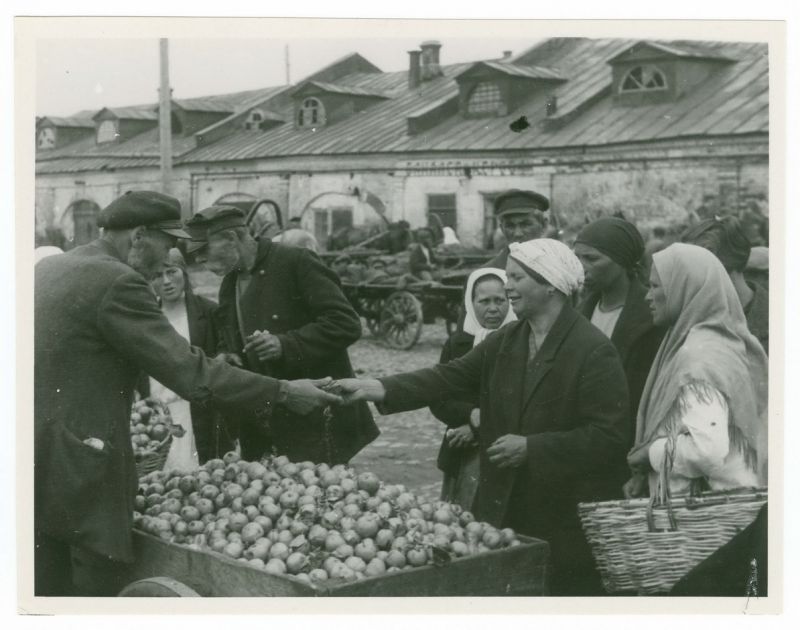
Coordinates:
[662,495]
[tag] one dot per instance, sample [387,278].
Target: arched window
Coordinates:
[485,98]
[311,114]
[254,120]
[106,132]
[643,79]
[47,138]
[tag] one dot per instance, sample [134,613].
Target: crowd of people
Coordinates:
[595,367]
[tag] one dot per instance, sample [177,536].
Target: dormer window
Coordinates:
[645,78]
[311,113]
[485,99]
[254,120]
[106,131]
[46,138]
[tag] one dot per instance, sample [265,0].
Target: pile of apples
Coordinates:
[315,522]
[151,423]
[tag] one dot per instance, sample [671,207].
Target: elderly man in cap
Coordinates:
[97,326]
[282,313]
[521,216]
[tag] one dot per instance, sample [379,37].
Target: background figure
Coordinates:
[725,238]
[282,313]
[43,251]
[610,250]
[422,262]
[520,217]
[706,395]
[553,402]
[487,309]
[192,316]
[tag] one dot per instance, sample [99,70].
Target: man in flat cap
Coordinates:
[521,215]
[97,326]
[282,313]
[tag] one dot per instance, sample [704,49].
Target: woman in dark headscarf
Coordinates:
[610,250]
[725,238]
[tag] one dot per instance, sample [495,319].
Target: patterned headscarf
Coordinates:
[552,260]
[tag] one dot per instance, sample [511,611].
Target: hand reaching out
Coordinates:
[305,395]
[356,389]
[460,437]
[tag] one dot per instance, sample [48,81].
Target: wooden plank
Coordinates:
[520,570]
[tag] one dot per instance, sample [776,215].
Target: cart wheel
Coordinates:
[401,320]
[157,587]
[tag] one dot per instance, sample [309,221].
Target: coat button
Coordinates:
[274,317]
[262,272]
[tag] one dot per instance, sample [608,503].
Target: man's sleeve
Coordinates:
[132,323]
[334,326]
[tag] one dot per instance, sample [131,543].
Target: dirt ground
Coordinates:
[405,451]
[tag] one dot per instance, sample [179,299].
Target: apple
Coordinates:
[417,557]
[369,481]
[367,525]
[251,532]
[233,549]
[375,567]
[279,551]
[296,563]
[275,566]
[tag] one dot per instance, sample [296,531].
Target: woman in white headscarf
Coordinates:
[487,310]
[553,402]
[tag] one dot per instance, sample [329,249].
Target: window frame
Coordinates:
[441,209]
[500,104]
[114,134]
[318,109]
[643,89]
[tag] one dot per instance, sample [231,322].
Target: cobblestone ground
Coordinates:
[405,451]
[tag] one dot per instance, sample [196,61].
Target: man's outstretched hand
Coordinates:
[305,395]
[356,389]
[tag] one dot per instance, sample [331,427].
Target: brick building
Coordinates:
[653,129]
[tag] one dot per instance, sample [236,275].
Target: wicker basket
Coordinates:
[155,459]
[646,548]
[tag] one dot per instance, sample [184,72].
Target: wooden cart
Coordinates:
[163,569]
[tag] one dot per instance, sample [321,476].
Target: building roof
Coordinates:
[60,121]
[732,100]
[130,113]
[335,88]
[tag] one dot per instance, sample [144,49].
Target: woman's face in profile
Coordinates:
[490,302]
[526,296]
[656,299]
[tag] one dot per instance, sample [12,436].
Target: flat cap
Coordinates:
[214,219]
[147,208]
[516,201]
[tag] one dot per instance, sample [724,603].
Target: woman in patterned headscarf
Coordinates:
[553,405]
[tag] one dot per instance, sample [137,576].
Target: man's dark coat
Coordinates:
[96,327]
[570,402]
[294,296]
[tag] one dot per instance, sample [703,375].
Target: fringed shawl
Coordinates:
[707,344]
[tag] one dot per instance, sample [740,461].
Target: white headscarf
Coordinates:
[552,260]
[471,324]
[449,235]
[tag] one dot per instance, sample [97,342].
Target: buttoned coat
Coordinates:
[570,403]
[294,296]
[97,326]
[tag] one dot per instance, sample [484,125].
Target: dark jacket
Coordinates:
[572,405]
[417,263]
[453,413]
[757,314]
[294,296]
[636,339]
[96,327]
[212,435]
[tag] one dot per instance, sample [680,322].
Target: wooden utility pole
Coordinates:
[286,57]
[165,119]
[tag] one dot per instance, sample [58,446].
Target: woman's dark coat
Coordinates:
[571,403]
[294,296]
[453,413]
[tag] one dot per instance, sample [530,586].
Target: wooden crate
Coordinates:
[520,570]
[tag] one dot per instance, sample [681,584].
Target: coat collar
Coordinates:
[105,247]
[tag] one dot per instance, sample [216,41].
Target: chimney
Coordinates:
[414,77]
[430,60]
[507,54]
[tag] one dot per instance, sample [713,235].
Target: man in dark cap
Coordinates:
[97,326]
[522,216]
[282,313]
[725,238]
[610,250]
